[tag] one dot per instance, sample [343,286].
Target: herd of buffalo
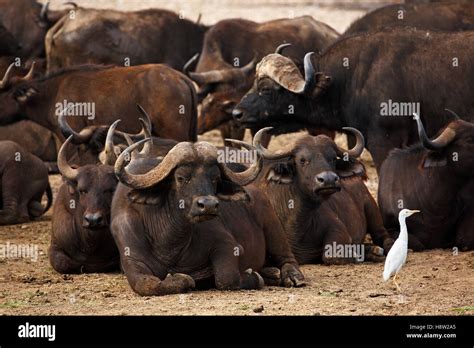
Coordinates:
[114,102]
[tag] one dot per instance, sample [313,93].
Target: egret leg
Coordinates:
[396,284]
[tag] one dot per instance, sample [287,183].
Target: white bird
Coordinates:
[398,254]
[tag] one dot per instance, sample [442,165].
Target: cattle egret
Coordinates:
[398,254]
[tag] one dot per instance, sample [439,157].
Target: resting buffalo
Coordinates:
[123,38]
[98,95]
[187,219]
[28,21]
[225,70]
[367,82]
[34,139]
[435,177]
[81,240]
[24,180]
[317,190]
[444,16]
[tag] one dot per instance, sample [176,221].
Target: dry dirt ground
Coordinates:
[438,282]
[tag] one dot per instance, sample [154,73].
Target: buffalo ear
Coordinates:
[323,82]
[227,190]
[350,168]
[24,95]
[281,173]
[434,159]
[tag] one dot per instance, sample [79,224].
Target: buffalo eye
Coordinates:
[304,161]
[265,91]
[183,179]
[82,191]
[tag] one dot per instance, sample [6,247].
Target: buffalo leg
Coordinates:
[277,245]
[62,263]
[227,272]
[464,234]
[271,276]
[10,213]
[141,270]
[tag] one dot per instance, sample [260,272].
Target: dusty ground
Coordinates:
[437,282]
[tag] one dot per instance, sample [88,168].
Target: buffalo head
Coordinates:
[315,165]
[15,91]
[190,177]
[453,147]
[280,93]
[219,91]
[93,184]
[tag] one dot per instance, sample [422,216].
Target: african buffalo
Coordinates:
[98,95]
[187,219]
[225,70]
[123,38]
[368,82]
[317,190]
[24,180]
[33,138]
[437,178]
[80,238]
[443,16]
[28,21]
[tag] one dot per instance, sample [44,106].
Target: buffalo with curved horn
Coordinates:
[80,238]
[189,203]
[436,177]
[317,191]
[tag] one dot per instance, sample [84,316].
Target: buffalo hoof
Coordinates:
[291,276]
[177,283]
[181,281]
[251,280]
[271,276]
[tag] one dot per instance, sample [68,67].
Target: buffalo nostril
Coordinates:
[237,113]
[320,180]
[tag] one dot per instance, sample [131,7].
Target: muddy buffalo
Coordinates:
[369,82]
[443,16]
[187,221]
[24,180]
[123,38]
[226,66]
[98,95]
[28,21]
[317,191]
[435,177]
[80,238]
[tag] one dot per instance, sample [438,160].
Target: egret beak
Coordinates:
[413,212]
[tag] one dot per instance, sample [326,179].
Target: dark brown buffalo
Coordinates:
[8,44]
[358,79]
[24,180]
[123,38]
[225,70]
[437,178]
[80,238]
[186,220]
[33,138]
[442,15]
[28,21]
[317,190]
[102,95]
